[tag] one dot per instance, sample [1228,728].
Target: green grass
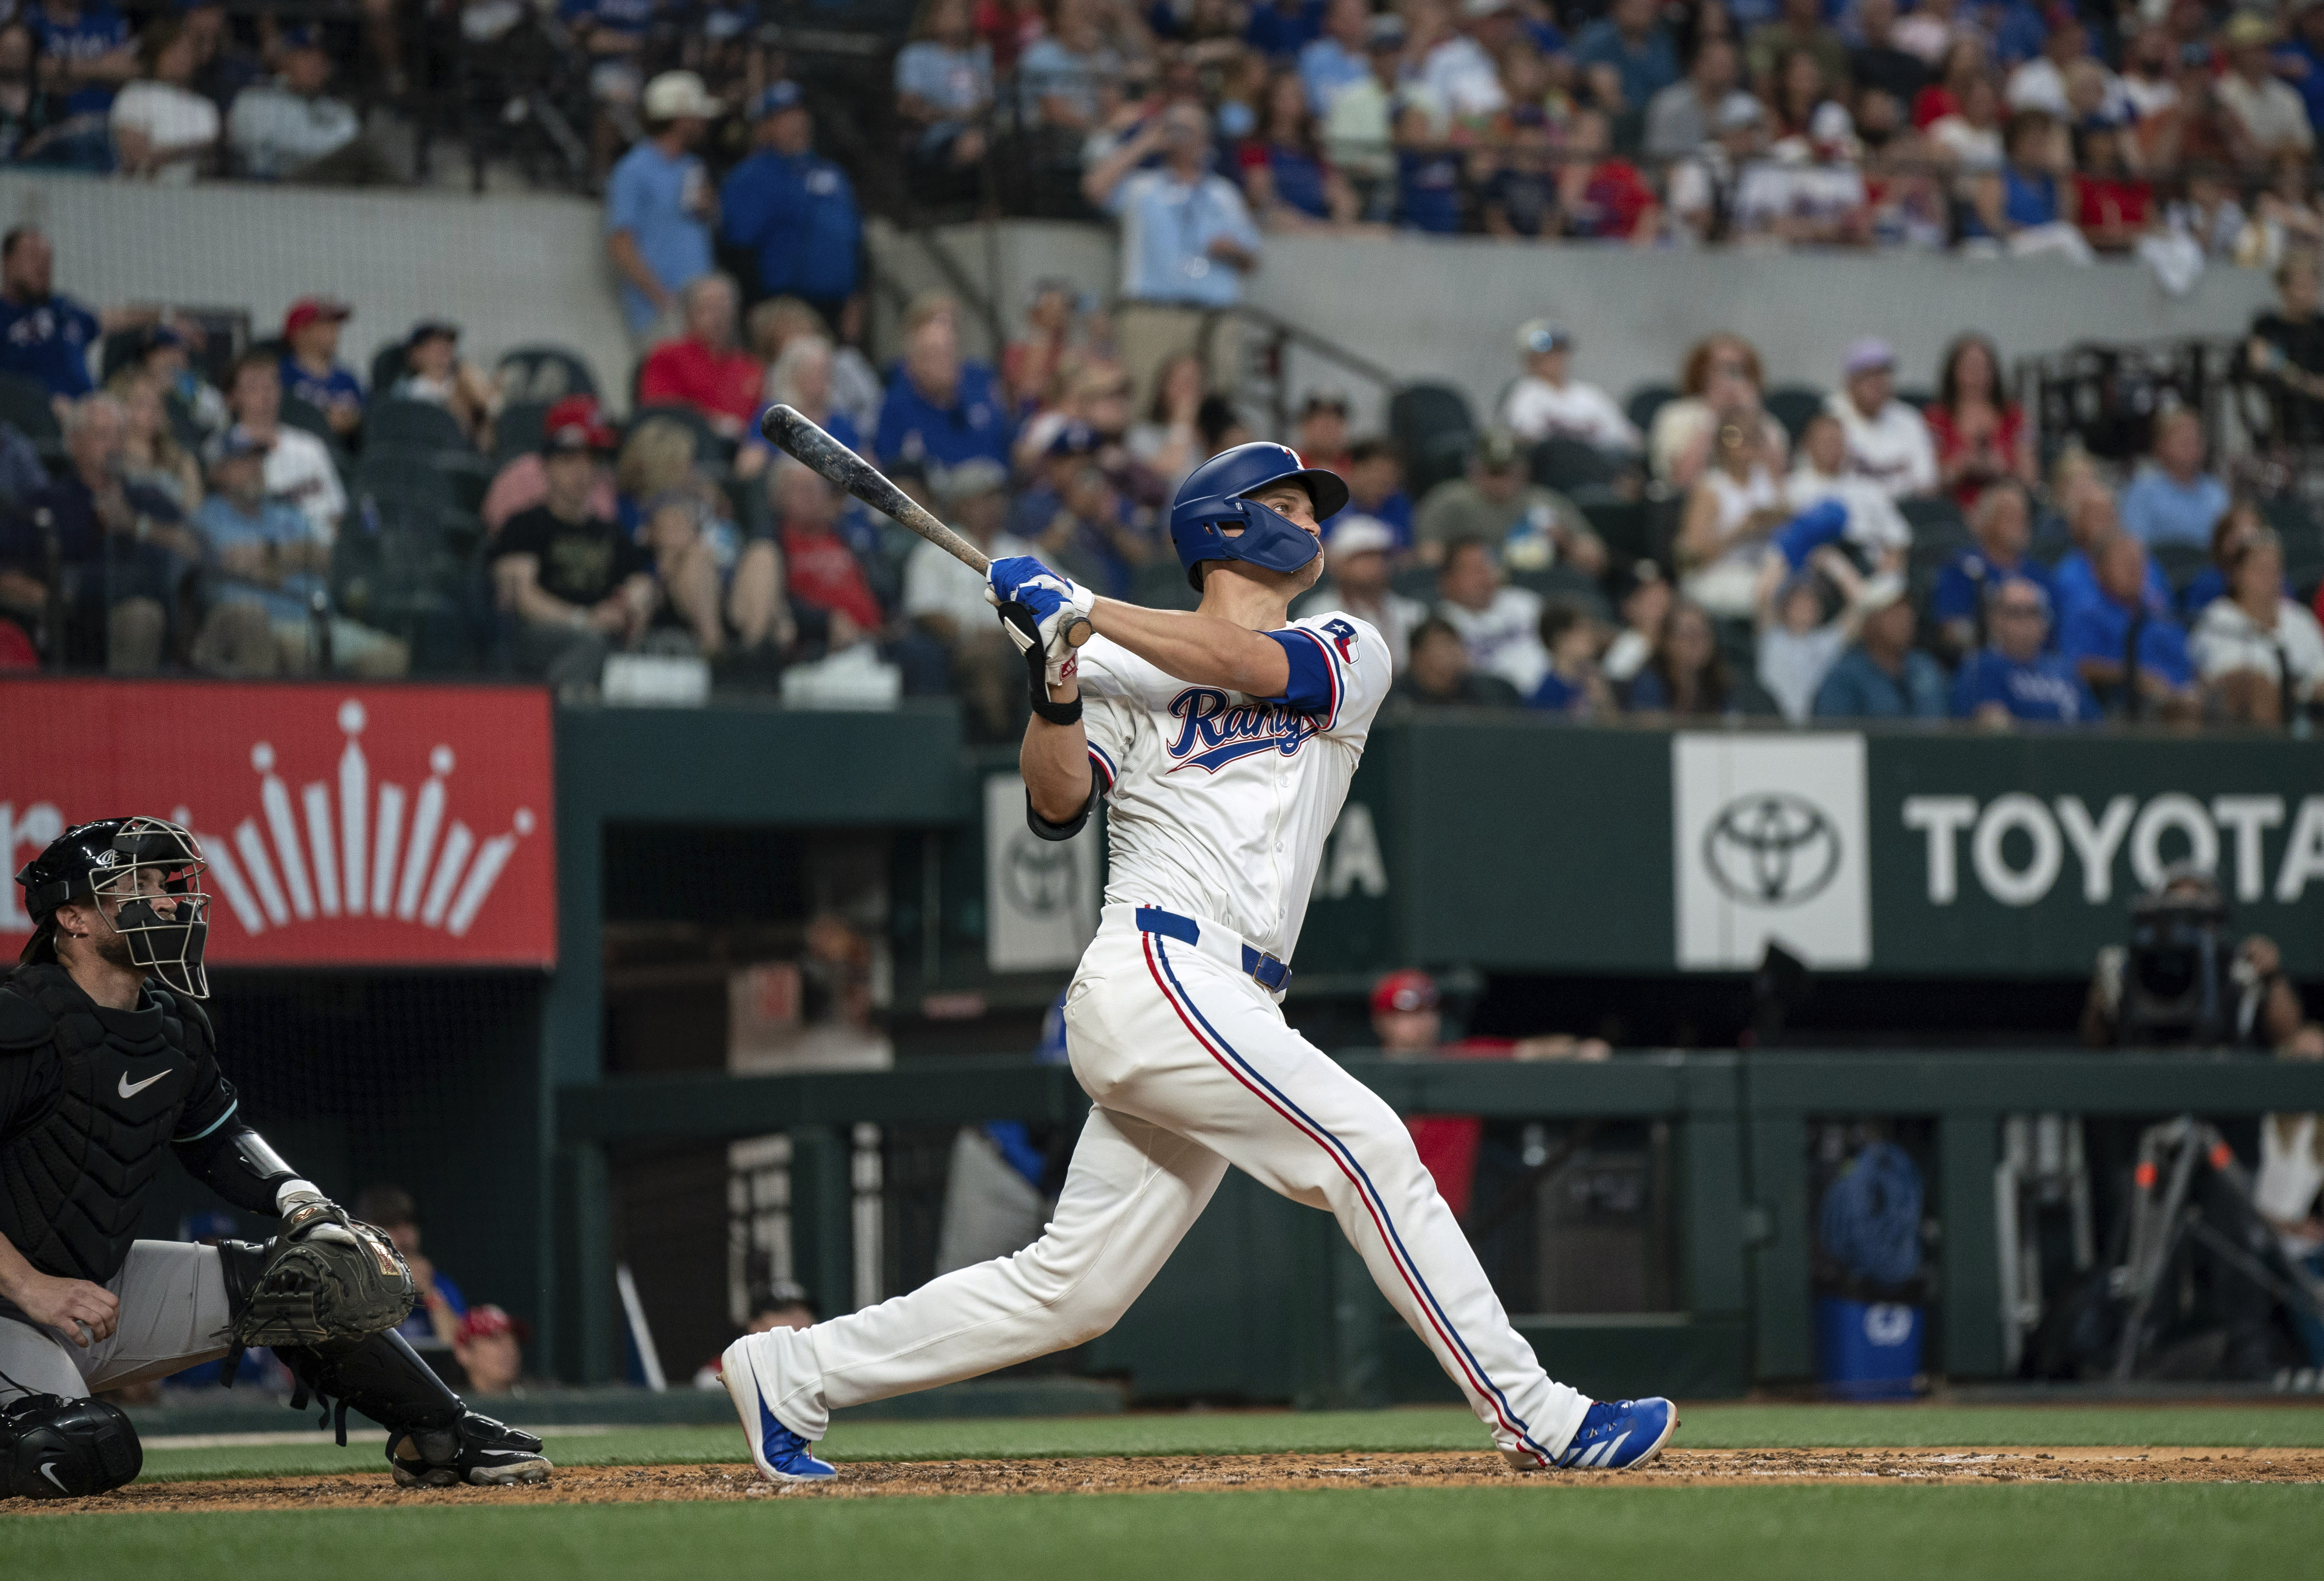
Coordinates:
[1705,1427]
[2187,1531]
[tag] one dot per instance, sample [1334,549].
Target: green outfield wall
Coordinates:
[1503,844]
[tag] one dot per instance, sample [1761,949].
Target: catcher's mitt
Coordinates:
[327,1277]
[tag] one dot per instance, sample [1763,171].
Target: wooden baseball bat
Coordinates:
[796,434]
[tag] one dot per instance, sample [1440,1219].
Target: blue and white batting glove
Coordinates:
[1047,604]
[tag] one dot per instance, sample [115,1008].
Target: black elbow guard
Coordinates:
[1065,831]
[257,1159]
[240,1166]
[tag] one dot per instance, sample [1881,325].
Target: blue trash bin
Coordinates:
[1867,1350]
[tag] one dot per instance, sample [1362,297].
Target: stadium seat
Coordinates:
[1935,520]
[544,373]
[387,366]
[518,429]
[2296,524]
[1645,402]
[1565,585]
[1567,464]
[1416,582]
[1433,430]
[412,425]
[1791,405]
[2180,563]
[25,403]
[308,418]
[1622,524]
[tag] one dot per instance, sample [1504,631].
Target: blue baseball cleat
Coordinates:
[1619,1434]
[780,1454]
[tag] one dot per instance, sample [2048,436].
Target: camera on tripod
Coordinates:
[2178,973]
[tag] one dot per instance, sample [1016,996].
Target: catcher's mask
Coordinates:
[150,871]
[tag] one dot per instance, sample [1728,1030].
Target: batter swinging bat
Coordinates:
[796,434]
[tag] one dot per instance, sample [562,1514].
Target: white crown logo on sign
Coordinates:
[358,858]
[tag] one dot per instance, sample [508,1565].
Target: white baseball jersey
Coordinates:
[1219,802]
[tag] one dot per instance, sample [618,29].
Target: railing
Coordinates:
[1741,1194]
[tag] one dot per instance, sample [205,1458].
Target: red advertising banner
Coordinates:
[343,825]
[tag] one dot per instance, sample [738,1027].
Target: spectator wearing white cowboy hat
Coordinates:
[1548,402]
[659,207]
[1359,556]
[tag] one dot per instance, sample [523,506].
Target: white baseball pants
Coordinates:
[1192,1068]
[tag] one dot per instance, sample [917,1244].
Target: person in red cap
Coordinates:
[578,585]
[312,369]
[522,484]
[489,1345]
[1409,1025]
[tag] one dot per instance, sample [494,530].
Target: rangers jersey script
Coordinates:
[1219,803]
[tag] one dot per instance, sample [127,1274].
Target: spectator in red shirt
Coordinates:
[825,579]
[1604,197]
[1980,433]
[706,368]
[1409,1025]
[2115,204]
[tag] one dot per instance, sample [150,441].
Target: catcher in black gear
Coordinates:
[106,1064]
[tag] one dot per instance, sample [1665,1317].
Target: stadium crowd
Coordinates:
[1711,548]
[2174,128]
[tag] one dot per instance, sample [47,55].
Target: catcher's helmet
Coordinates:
[110,860]
[1214,497]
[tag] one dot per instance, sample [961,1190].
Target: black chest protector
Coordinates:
[74,1173]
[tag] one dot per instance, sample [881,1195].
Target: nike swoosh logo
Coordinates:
[50,1470]
[128,1091]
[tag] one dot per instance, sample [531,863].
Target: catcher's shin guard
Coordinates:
[381,1377]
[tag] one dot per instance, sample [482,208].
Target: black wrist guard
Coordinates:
[1037,667]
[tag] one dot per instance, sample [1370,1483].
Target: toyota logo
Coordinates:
[1039,875]
[1771,848]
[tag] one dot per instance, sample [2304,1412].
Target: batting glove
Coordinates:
[1038,609]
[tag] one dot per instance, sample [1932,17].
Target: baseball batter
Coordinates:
[1224,741]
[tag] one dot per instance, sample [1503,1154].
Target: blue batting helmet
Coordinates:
[1214,497]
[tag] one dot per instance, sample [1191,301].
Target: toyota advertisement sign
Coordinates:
[1933,854]
[343,825]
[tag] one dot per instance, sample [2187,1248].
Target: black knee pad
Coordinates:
[56,1449]
[241,1263]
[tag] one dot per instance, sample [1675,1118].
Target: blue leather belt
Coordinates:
[1264,969]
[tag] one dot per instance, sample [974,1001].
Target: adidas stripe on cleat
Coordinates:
[1615,1434]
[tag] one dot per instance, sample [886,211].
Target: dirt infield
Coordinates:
[1161,1473]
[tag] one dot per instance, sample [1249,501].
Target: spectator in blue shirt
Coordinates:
[1427,174]
[2012,678]
[2073,581]
[941,410]
[793,208]
[2300,60]
[2134,657]
[1626,56]
[2002,525]
[1187,236]
[658,208]
[1882,676]
[312,369]
[1375,480]
[45,334]
[2173,500]
[86,49]
[123,549]
[943,84]
[1338,58]
[1280,29]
